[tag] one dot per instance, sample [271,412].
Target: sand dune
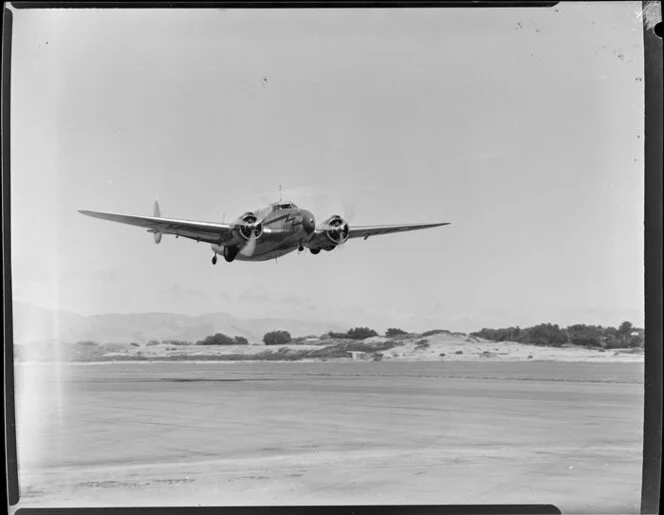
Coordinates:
[437,347]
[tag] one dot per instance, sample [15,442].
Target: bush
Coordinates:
[217,339]
[435,331]
[336,336]
[153,342]
[175,342]
[134,344]
[459,352]
[578,334]
[277,338]
[361,333]
[393,331]
[341,350]
[241,340]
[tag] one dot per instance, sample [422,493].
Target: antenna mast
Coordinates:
[280,193]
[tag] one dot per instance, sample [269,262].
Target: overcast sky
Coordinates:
[521,127]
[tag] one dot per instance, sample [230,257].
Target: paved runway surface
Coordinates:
[568,434]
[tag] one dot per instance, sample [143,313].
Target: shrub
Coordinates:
[217,339]
[578,334]
[153,342]
[336,336]
[134,344]
[341,350]
[241,340]
[435,331]
[361,333]
[86,343]
[459,352]
[393,331]
[175,342]
[277,338]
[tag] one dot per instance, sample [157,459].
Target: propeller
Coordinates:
[256,229]
[339,225]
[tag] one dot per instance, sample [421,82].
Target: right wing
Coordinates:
[200,231]
[375,230]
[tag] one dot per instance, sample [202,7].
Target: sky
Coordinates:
[521,127]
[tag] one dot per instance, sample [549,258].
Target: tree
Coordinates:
[625,328]
[217,339]
[277,338]
[393,331]
[635,341]
[360,333]
[241,340]
[589,335]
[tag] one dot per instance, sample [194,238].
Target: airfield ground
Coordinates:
[185,433]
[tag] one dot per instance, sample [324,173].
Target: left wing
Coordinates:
[199,231]
[364,231]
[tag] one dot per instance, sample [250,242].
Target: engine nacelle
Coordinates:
[335,232]
[248,225]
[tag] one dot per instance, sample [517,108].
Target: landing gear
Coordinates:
[300,248]
[214,259]
[230,253]
[315,251]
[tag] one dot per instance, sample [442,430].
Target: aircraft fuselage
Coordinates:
[287,230]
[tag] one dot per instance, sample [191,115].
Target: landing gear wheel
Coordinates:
[315,251]
[214,259]
[230,253]
[300,248]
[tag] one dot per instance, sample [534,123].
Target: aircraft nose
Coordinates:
[308,221]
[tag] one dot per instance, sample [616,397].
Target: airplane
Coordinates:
[260,235]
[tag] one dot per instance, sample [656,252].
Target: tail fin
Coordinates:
[157,211]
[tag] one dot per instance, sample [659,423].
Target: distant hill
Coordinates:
[35,324]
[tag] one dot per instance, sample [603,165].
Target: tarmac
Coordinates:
[187,434]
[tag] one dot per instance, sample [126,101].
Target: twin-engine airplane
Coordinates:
[260,235]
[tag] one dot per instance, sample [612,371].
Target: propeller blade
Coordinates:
[157,213]
[250,247]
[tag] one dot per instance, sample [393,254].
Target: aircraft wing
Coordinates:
[364,231]
[200,231]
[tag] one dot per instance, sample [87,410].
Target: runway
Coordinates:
[568,434]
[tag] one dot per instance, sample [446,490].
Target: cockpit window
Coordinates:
[277,207]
